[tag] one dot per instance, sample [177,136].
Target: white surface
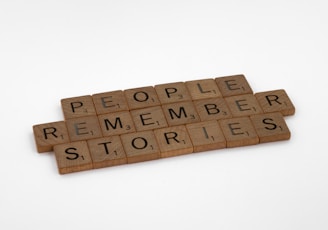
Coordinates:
[51,50]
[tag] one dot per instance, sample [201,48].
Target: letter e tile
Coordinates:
[206,136]
[239,132]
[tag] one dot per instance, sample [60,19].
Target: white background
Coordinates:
[51,50]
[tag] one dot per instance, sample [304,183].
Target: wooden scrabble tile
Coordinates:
[233,85]
[78,107]
[212,109]
[140,146]
[180,113]
[173,141]
[239,132]
[107,151]
[172,92]
[141,97]
[270,127]
[276,101]
[83,128]
[206,136]
[201,89]
[243,105]
[149,118]
[49,134]
[73,157]
[110,102]
[116,123]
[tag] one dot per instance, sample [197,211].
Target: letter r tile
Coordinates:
[276,101]
[173,141]
[49,134]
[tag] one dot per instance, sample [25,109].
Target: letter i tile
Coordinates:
[206,136]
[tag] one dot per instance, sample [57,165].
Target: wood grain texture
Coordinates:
[110,102]
[107,151]
[78,107]
[141,97]
[276,101]
[201,89]
[83,128]
[73,157]
[206,136]
[49,134]
[243,105]
[270,127]
[239,132]
[172,92]
[173,141]
[147,123]
[140,146]
[233,85]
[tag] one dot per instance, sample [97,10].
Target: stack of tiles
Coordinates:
[148,123]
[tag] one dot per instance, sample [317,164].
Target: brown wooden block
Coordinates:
[140,146]
[233,85]
[206,136]
[143,97]
[83,128]
[49,134]
[172,92]
[239,132]
[243,105]
[110,102]
[173,141]
[73,157]
[180,113]
[212,109]
[201,89]
[116,123]
[149,118]
[78,107]
[276,101]
[270,127]
[107,151]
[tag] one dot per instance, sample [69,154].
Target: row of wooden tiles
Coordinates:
[116,123]
[149,96]
[170,141]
